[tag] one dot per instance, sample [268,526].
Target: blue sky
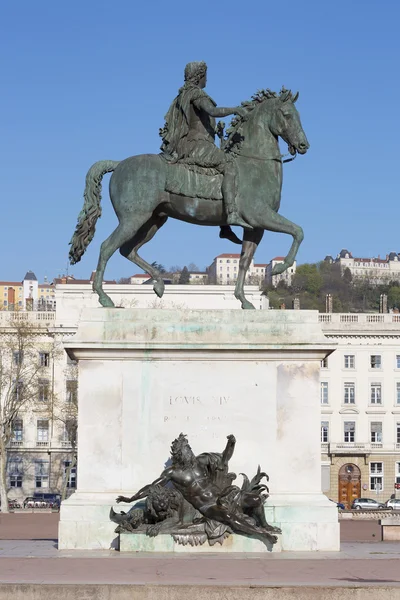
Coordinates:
[91,80]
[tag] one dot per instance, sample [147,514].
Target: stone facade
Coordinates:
[360,406]
[225,269]
[376,270]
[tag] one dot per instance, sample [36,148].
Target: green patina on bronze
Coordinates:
[193,180]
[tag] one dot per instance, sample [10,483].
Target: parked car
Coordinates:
[45,500]
[338,504]
[366,504]
[393,504]
[13,504]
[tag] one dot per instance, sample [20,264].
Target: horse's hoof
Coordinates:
[280,268]
[159,288]
[107,302]
[246,305]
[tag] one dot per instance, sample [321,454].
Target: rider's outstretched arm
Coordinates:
[217,111]
[162,480]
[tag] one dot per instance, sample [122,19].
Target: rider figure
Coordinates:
[189,134]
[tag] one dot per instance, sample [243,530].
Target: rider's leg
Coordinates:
[228,192]
[226,232]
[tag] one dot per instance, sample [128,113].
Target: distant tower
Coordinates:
[328,303]
[296,303]
[30,287]
[383,303]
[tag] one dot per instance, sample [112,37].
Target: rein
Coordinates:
[278,158]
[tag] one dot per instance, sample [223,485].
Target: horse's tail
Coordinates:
[91,210]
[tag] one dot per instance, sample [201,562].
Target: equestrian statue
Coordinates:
[193,180]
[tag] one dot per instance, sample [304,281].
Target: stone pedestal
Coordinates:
[147,375]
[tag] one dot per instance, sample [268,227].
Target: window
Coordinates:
[376,361]
[349,361]
[228,261]
[43,390]
[72,391]
[349,393]
[70,430]
[324,363]
[15,472]
[18,391]
[44,359]
[397,472]
[42,474]
[324,392]
[17,355]
[324,432]
[376,432]
[397,392]
[397,433]
[71,482]
[397,361]
[42,430]
[376,476]
[376,393]
[349,430]
[18,432]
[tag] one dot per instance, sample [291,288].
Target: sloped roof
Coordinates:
[30,276]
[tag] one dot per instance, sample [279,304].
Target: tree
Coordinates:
[66,413]
[185,276]
[124,280]
[159,267]
[394,297]
[192,267]
[347,276]
[307,279]
[24,362]
[174,269]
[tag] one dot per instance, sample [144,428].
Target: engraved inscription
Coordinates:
[183,408]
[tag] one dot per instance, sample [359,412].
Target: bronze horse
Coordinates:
[138,183]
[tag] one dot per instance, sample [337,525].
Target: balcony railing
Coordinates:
[348,447]
[39,317]
[358,318]
[16,443]
[42,444]
[358,447]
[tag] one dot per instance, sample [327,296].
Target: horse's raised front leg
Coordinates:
[251,239]
[130,249]
[272,221]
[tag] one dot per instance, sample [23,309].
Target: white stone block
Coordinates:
[147,375]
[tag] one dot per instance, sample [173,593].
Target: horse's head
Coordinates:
[285,122]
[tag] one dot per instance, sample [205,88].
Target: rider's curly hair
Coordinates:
[194,71]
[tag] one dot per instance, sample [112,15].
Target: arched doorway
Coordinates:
[349,484]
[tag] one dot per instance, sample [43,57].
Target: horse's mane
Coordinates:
[233,137]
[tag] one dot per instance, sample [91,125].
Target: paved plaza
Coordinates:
[34,568]
[39,561]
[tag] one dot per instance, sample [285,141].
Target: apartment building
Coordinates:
[360,406]
[225,269]
[40,450]
[376,270]
[286,276]
[27,294]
